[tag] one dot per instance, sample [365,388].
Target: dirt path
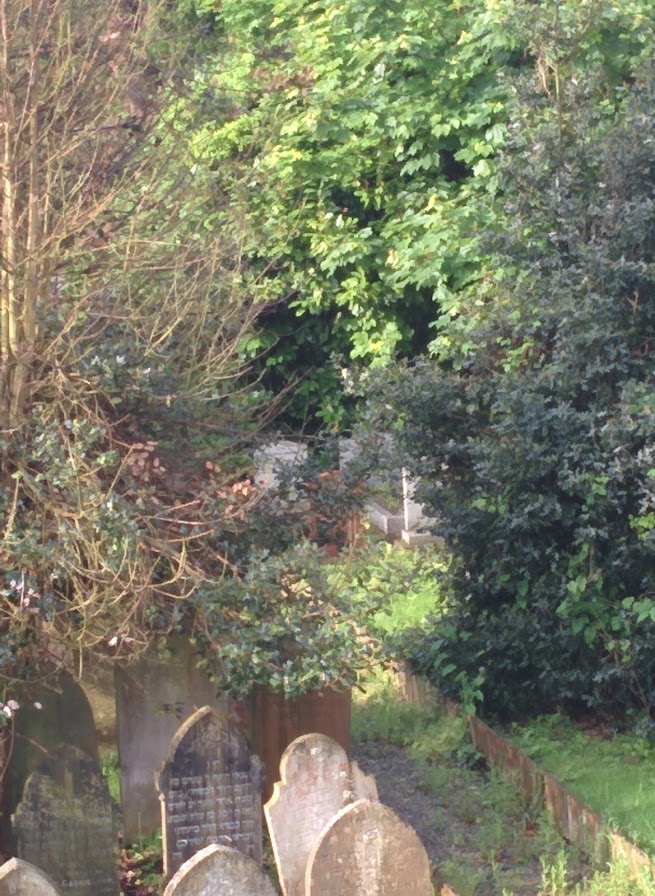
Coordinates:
[478,848]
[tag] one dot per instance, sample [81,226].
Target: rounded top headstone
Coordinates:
[368,849]
[20,878]
[219,869]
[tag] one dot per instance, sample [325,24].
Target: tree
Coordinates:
[363,133]
[535,447]
[120,335]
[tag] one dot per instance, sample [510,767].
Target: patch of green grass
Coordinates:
[401,582]
[614,776]
[110,768]
[496,840]
[617,880]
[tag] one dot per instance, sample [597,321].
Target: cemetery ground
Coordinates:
[480,836]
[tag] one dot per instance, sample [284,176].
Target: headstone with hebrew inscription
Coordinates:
[153,697]
[66,824]
[368,850]
[316,781]
[220,870]
[210,790]
[19,878]
[52,713]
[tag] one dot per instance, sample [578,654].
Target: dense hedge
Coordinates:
[536,450]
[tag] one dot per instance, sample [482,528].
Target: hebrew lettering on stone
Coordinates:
[210,790]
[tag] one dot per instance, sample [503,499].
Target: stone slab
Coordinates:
[152,698]
[66,824]
[210,790]
[220,871]
[19,878]
[64,717]
[368,851]
[316,781]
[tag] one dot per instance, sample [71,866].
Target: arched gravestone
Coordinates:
[153,697]
[19,878]
[316,781]
[219,871]
[67,825]
[210,790]
[368,851]
[64,717]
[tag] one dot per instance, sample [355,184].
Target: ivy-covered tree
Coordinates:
[535,448]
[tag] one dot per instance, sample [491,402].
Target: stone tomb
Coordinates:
[67,826]
[317,781]
[220,871]
[19,878]
[210,791]
[368,851]
[153,697]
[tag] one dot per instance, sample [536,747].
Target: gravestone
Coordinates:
[62,716]
[210,790]
[417,526]
[152,698]
[19,878]
[368,850]
[276,461]
[220,871]
[316,781]
[67,826]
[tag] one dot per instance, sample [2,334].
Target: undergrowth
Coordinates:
[501,845]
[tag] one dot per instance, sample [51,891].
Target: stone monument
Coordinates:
[153,697]
[220,870]
[210,790]
[67,826]
[19,878]
[316,782]
[368,850]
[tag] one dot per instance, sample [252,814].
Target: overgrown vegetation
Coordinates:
[499,844]
[535,448]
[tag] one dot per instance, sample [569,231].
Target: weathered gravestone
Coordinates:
[62,715]
[210,790]
[67,826]
[153,696]
[19,878]
[220,871]
[317,781]
[368,851]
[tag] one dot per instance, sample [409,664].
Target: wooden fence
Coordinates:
[578,823]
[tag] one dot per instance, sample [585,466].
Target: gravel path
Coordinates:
[477,848]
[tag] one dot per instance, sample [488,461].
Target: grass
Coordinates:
[491,840]
[500,845]
[614,775]
[400,582]
[110,768]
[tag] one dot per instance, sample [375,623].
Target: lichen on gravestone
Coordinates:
[20,878]
[220,870]
[66,824]
[368,850]
[51,713]
[316,781]
[210,790]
